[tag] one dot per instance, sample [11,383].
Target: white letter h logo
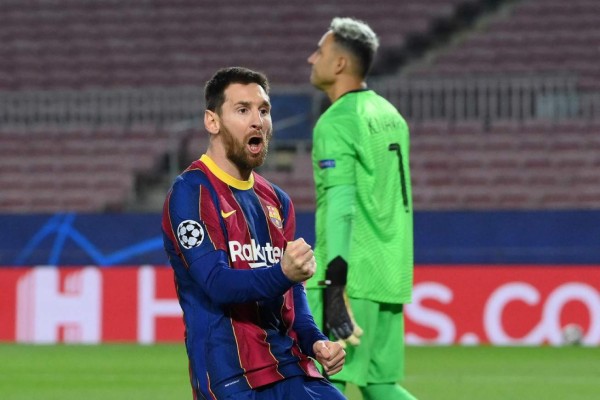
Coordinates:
[43,307]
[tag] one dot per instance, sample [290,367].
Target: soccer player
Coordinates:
[364,216]
[239,273]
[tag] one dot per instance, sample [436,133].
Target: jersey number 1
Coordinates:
[396,147]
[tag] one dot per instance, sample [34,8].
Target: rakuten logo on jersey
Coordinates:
[256,255]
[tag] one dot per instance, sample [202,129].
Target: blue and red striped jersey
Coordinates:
[246,324]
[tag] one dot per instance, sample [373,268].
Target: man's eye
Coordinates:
[265,111]
[242,110]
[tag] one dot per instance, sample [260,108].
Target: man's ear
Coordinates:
[212,122]
[341,64]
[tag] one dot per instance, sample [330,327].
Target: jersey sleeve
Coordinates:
[224,285]
[193,235]
[339,218]
[334,151]
[304,324]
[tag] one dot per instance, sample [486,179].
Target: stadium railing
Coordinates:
[483,98]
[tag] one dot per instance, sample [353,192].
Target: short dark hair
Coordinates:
[358,38]
[214,90]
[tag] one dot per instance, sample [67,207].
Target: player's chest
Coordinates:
[254,231]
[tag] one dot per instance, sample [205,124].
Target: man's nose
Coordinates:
[257,120]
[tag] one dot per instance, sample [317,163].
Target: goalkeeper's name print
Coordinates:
[384,124]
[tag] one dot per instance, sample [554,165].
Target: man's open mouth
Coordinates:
[255,144]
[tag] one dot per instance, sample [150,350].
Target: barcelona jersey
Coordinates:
[246,324]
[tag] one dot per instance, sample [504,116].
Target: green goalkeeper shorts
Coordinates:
[380,356]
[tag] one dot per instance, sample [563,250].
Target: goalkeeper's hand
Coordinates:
[357,332]
[338,314]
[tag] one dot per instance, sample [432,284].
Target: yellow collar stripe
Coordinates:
[225,177]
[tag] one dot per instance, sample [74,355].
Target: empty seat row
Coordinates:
[80,171]
[536,36]
[42,40]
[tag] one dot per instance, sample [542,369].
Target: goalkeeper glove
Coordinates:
[338,314]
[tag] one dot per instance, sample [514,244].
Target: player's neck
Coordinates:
[344,86]
[227,166]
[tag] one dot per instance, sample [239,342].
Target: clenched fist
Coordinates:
[330,355]
[298,261]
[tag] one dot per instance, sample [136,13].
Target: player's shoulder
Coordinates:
[190,181]
[378,107]
[340,119]
[348,109]
[264,186]
[376,102]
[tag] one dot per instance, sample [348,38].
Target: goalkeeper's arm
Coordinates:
[340,213]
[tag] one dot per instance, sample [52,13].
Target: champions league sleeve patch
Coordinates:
[190,234]
[326,164]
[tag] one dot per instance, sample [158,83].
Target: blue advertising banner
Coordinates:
[508,237]
[79,239]
[469,237]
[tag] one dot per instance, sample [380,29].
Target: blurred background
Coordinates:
[101,104]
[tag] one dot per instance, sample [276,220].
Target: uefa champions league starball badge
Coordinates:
[190,234]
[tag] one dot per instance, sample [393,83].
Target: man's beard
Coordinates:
[237,152]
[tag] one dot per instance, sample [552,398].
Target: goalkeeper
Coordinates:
[364,219]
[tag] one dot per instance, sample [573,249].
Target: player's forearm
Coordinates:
[225,285]
[304,324]
[340,215]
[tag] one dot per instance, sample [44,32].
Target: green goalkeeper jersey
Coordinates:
[362,141]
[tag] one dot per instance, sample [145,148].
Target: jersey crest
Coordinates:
[274,216]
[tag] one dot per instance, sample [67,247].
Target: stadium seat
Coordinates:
[85,44]
[536,36]
[498,163]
